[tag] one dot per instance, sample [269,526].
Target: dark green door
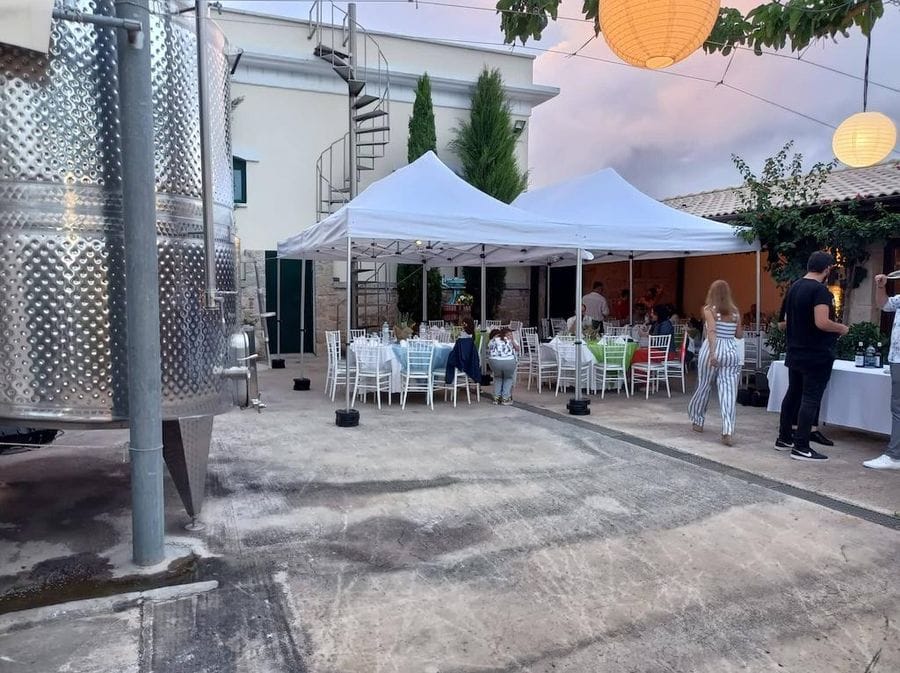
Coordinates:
[283,278]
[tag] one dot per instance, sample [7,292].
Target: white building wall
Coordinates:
[294,105]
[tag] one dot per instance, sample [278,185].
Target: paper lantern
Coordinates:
[864,139]
[656,33]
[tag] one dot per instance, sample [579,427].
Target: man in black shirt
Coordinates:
[811,338]
[815,435]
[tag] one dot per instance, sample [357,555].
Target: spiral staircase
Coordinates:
[358,60]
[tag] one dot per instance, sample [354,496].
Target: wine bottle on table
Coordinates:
[870,356]
[878,362]
[860,360]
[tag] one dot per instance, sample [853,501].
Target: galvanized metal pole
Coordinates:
[302,312]
[209,228]
[278,306]
[483,323]
[353,292]
[631,288]
[349,321]
[424,293]
[578,318]
[145,447]
[758,304]
[548,293]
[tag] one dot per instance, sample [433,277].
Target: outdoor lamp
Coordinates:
[656,33]
[864,139]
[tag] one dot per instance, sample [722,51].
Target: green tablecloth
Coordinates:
[596,349]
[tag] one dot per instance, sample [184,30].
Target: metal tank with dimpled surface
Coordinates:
[62,287]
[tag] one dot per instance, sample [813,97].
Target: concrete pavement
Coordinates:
[480,538]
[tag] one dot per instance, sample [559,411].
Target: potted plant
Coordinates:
[776,340]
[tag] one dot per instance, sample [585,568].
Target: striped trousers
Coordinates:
[726,377]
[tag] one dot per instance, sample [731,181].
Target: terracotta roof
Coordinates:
[847,184]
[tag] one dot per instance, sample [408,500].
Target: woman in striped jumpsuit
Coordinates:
[719,360]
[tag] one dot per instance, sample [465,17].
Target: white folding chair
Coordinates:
[615,331]
[656,368]
[565,366]
[752,361]
[369,375]
[538,367]
[613,368]
[558,326]
[515,325]
[418,375]
[545,329]
[357,334]
[675,368]
[436,323]
[336,374]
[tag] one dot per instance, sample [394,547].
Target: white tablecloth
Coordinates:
[855,397]
[389,357]
[550,353]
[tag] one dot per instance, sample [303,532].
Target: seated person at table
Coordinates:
[586,322]
[468,327]
[620,306]
[660,325]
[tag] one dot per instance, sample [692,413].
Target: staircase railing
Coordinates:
[368,79]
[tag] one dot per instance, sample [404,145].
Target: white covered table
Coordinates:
[550,353]
[856,397]
[394,357]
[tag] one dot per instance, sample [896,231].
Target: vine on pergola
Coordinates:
[776,25]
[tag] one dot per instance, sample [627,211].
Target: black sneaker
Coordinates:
[807,454]
[819,438]
[784,444]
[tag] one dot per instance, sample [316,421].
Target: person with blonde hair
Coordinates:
[719,360]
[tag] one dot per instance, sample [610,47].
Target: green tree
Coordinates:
[773,24]
[782,208]
[422,135]
[486,146]
[422,139]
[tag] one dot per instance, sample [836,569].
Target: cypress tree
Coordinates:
[422,139]
[486,146]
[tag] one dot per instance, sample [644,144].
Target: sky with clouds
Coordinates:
[668,135]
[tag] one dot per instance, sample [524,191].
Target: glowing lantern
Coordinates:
[656,33]
[864,139]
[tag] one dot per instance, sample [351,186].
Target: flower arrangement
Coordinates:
[404,327]
[465,299]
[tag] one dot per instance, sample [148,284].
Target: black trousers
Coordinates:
[806,385]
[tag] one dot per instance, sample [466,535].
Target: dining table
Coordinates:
[393,355]
[591,352]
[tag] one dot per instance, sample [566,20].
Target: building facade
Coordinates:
[290,105]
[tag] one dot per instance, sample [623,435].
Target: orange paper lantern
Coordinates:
[656,33]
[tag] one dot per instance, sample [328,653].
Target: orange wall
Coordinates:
[699,272]
[739,271]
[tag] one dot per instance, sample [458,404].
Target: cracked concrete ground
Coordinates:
[480,538]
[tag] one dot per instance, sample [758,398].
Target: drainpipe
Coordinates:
[209,227]
[145,446]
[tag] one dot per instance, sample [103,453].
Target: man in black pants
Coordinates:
[811,337]
[816,435]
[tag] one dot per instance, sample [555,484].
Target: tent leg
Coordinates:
[631,288]
[278,363]
[758,317]
[485,377]
[546,336]
[578,406]
[301,382]
[347,417]
[424,293]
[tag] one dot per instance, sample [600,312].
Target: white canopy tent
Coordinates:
[620,222]
[425,214]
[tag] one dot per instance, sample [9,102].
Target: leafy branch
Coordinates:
[774,24]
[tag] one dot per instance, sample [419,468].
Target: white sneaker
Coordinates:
[883,462]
